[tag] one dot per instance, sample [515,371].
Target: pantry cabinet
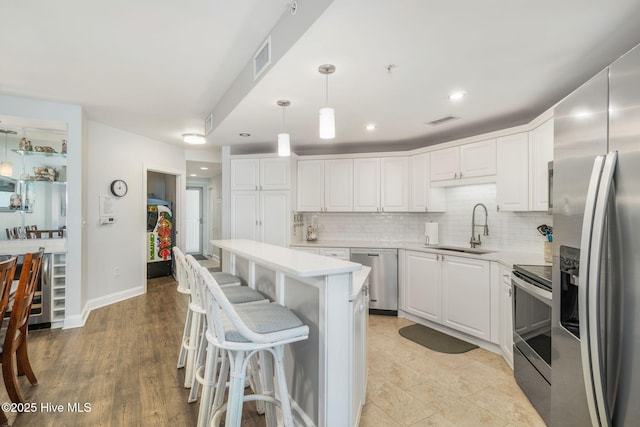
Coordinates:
[466,161]
[381,184]
[261,215]
[249,174]
[423,198]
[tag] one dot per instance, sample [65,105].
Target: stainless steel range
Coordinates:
[532,334]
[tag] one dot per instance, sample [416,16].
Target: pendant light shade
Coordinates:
[327,123]
[327,116]
[6,167]
[284,141]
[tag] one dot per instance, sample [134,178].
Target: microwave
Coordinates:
[550,184]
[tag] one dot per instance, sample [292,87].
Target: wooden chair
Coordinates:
[14,350]
[7,271]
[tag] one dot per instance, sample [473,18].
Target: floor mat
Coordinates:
[435,340]
[199,257]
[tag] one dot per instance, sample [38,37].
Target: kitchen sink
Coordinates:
[460,249]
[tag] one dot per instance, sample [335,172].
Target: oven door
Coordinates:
[532,324]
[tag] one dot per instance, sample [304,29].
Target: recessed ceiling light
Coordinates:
[193,138]
[193,174]
[371,126]
[203,168]
[457,96]
[244,134]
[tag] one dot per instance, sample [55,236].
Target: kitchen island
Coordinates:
[327,373]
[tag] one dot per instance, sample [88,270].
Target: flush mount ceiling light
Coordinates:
[193,138]
[6,167]
[284,142]
[327,114]
[371,127]
[204,168]
[457,95]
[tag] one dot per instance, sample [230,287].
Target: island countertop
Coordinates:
[289,261]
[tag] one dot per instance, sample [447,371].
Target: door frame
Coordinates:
[178,209]
[200,189]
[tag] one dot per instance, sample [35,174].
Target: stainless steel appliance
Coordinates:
[596,251]
[383,279]
[532,334]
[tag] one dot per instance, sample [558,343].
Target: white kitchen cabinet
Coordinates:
[315,251]
[423,198]
[359,330]
[338,185]
[465,161]
[310,185]
[325,185]
[381,184]
[512,180]
[250,174]
[506,315]
[422,285]
[466,295]
[261,215]
[340,253]
[540,154]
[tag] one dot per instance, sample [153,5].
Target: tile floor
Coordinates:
[410,385]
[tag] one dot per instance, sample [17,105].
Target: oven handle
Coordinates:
[542,294]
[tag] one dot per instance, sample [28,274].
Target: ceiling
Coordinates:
[158,69]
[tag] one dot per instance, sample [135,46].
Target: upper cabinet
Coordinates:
[325,185]
[261,174]
[522,181]
[381,184]
[464,162]
[423,198]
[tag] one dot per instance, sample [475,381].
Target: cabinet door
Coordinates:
[245,174]
[340,253]
[366,185]
[445,164]
[275,173]
[338,185]
[394,186]
[360,319]
[310,185]
[423,198]
[422,276]
[541,153]
[478,159]
[274,217]
[244,215]
[506,315]
[512,181]
[466,288]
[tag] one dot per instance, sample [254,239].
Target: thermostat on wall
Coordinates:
[107,220]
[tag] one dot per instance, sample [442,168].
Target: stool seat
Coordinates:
[271,319]
[242,294]
[226,279]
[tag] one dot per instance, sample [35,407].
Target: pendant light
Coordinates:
[284,142]
[6,167]
[327,114]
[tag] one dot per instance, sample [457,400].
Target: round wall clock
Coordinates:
[118,188]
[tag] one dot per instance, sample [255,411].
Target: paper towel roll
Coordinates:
[431,232]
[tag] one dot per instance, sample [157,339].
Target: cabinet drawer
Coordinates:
[340,253]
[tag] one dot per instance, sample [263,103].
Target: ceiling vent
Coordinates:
[208,124]
[262,59]
[442,120]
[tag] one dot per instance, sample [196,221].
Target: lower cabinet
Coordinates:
[359,329]
[506,315]
[449,290]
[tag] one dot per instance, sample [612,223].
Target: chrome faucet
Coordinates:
[475,242]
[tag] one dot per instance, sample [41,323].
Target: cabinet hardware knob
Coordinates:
[498,208]
[460,174]
[455,175]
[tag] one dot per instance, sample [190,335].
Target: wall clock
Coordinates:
[118,188]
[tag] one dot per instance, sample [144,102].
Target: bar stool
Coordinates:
[195,343]
[7,271]
[188,347]
[241,331]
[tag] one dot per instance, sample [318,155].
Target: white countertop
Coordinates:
[507,258]
[289,261]
[17,247]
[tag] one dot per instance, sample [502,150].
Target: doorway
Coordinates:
[193,217]
[161,221]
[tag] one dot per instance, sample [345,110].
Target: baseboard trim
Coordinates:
[79,320]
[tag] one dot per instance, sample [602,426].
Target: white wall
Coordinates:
[114,153]
[507,230]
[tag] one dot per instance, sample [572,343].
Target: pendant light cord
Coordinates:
[283,107]
[326,100]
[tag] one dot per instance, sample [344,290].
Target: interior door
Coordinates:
[193,240]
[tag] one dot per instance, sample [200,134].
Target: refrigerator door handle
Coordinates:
[584,283]
[593,298]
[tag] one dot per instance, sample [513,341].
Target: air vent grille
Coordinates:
[442,120]
[262,59]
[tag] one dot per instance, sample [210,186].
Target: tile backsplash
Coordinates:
[514,231]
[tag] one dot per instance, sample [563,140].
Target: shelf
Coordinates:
[39,153]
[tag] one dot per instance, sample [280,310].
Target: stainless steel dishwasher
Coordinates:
[383,279]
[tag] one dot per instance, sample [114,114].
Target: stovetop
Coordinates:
[538,273]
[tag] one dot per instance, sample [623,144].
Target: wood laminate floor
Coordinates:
[122,363]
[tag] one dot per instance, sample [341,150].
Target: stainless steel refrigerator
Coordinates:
[596,251]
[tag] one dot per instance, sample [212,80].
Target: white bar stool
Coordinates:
[241,331]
